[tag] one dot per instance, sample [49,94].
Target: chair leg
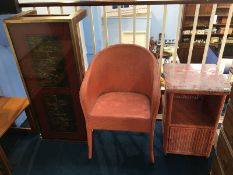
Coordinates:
[152,145]
[89,142]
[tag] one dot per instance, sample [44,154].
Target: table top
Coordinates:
[195,79]
[10,109]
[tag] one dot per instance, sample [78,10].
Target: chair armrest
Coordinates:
[90,90]
[156,95]
[85,98]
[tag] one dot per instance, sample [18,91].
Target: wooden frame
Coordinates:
[11,108]
[120,2]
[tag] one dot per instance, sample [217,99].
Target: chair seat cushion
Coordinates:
[124,110]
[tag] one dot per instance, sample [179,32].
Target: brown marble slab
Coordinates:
[195,78]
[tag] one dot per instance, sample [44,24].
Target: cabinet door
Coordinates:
[50,71]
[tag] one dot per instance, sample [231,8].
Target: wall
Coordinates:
[155,29]
[10,81]
[88,35]
[157,21]
[127,25]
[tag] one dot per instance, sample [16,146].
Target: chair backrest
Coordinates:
[125,68]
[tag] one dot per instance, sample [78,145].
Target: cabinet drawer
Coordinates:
[224,154]
[216,167]
[228,124]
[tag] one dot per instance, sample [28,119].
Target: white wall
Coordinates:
[10,81]
[127,25]
[157,21]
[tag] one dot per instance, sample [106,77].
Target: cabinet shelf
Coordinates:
[204,26]
[205,16]
[213,34]
[191,112]
[222,25]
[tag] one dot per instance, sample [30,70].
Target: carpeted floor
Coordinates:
[114,153]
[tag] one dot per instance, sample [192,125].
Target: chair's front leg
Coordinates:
[89,142]
[151,137]
[5,162]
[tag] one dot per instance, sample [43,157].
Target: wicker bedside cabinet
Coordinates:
[194,97]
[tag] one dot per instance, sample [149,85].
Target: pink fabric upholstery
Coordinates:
[123,109]
[121,90]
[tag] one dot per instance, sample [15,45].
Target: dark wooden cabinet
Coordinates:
[48,56]
[203,21]
[224,150]
[183,52]
[201,31]
[217,167]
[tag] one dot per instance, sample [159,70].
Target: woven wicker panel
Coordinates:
[193,141]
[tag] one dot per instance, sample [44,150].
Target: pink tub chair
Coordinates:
[121,92]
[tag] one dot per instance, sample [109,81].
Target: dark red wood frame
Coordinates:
[18,32]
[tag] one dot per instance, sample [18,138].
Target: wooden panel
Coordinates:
[225,154]
[118,2]
[216,167]
[204,9]
[188,15]
[231,95]
[228,124]
[10,109]
[189,9]
[183,52]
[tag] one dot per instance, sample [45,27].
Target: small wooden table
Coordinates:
[193,100]
[10,109]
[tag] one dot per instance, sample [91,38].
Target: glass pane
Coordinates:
[60,113]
